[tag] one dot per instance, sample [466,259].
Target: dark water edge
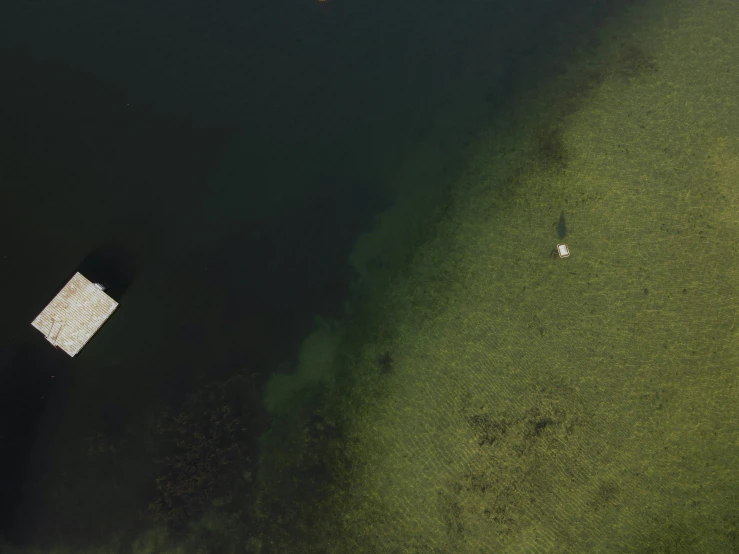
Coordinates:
[212,285]
[125,193]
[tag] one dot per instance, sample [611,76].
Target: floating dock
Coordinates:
[75,314]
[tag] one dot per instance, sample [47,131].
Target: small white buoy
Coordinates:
[563,251]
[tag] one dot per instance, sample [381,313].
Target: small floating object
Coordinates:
[563,251]
[75,314]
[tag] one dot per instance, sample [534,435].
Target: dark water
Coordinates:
[215,163]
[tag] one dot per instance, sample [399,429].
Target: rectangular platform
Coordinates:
[75,314]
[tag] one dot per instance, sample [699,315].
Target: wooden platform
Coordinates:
[75,314]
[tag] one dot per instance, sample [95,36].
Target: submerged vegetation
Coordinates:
[310,466]
[206,454]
